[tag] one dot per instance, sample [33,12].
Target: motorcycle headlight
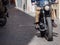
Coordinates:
[47,8]
[46,2]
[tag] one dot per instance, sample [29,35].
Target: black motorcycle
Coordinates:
[3,17]
[45,23]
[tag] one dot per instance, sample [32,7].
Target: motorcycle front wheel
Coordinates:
[49,31]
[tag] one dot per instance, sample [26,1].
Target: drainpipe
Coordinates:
[59,9]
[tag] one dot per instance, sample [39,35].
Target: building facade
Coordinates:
[21,4]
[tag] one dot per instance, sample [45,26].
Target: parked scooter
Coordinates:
[45,23]
[3,14]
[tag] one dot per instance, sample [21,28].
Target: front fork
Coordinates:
[44,19]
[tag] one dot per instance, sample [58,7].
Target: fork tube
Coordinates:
[44,19]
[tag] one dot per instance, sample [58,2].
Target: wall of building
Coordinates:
[21,4]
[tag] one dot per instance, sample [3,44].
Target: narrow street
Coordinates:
[19,30]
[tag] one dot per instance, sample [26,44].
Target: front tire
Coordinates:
[49,31]
[3,22]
